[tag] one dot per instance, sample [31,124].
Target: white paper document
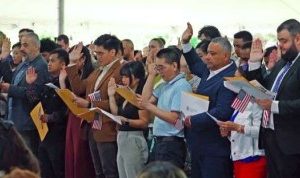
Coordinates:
[113,117]
[253,88]
[51,85]
[192,104]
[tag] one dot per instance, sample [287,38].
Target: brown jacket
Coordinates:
[108,132]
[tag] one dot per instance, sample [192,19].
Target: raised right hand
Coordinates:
[111,88]
[256,53]
[5,48]
[187,34]
[76,53]
[31,75]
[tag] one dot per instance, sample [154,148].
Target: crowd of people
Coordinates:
[155,138]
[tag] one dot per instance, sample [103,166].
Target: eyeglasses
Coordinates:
[160,67]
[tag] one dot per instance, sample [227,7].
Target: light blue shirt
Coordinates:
[169,99]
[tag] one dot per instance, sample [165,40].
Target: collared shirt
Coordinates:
[215,72]
[169,99]
[104,69]
[275,103]
[188,47]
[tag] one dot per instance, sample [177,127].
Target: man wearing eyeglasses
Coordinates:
[164,102]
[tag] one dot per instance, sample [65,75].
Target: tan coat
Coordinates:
[108,132]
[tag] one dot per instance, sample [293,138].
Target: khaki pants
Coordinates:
[132,153]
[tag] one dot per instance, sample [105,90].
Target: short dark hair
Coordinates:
[63,37]
[209,31]
[26,30]
[247,45]
[62,55]
[137,51]
[269,50]
[245,35]
[203,45]
[291,25]
[170,55]
[47,45]
[16,45]
[109,42]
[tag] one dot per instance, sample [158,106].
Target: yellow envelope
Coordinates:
[67,97]
[42,127]
[84,113]
[128,95]
[90,115]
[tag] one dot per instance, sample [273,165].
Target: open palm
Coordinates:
[31,75]
[256,53]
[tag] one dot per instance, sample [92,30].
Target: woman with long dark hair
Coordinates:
[78,161]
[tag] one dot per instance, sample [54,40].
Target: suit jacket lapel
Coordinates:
[108,73]
[291,71]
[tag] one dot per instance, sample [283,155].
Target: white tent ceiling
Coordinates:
[140,19]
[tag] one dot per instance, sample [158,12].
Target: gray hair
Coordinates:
[35,38]
[224,43]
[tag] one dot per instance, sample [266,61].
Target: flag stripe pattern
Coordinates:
[97,123]
[241,101]
[95,96]
[266,117]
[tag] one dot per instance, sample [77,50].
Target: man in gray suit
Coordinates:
[19,106]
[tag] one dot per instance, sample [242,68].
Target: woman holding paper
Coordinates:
[243,129]
[132,147]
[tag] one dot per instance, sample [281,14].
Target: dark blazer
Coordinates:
[108,132]
[19,106]
[287,122]
[205,134]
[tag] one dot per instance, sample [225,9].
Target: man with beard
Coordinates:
[280,131]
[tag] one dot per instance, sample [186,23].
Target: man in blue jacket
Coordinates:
[19,107]
[210,152]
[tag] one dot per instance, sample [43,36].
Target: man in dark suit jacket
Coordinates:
[210,151]
[280,132]
[19,107]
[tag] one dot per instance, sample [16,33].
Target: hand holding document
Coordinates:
[113,117]
[84,113]
[253,88]
[192,104]
[42,127]
[212,117]
[128,94]
[89,116]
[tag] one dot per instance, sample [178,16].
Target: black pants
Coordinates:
[279,165]
[32,140]
[170,149]
[51,153]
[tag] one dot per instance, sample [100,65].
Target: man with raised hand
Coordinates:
[280,131]
[209,151]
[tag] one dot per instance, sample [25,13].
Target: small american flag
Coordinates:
[241,101]
[266,117]
[95,96]
[97,123]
